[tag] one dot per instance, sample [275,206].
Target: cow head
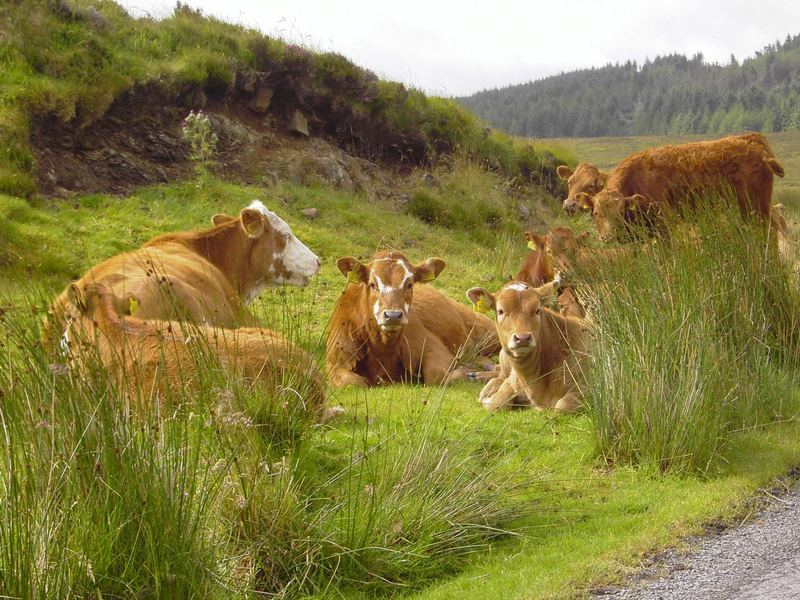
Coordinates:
[586,179]
[389,284]
[274,256]
[517,307]
[613,213]
[562,244]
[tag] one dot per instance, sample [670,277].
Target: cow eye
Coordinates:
[409,285]
[500,312]
[372,285]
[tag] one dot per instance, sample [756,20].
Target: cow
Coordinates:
[151,359]
[385,328]
[644,186]
[206,276]
[538,269]
[541,363]
[585,179]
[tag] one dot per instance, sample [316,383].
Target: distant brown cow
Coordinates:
[541,361]
[385,328]
[644,185]
[154,357]
[585,179]
[201,276]
[538,269]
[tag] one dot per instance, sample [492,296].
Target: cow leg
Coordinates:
[437,364]
[341,377]
[490,388]
[568,403]
[504,398]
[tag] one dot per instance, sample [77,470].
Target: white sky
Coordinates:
[456,48]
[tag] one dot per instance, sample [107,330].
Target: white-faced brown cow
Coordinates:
[154,358]
[385,328]
[585,179]
[542,356]
[204,276]
[646,184]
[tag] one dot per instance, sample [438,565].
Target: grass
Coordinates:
[407,493]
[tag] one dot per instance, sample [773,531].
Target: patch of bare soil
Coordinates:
[139,142]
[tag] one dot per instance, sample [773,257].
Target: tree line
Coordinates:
[667,95]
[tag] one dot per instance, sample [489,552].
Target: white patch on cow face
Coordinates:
[300,262]
[384,289]
[518,287]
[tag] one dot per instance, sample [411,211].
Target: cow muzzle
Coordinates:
[392,320]
[520,344]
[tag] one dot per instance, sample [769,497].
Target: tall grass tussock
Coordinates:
[695,338]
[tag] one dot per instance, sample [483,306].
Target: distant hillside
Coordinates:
[669,95]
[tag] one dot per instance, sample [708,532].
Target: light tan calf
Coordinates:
[153,358]
[541,361]
[385,328]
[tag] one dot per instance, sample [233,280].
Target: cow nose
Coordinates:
[392,315]
[522,339]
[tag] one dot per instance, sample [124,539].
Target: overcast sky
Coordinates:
[456,48]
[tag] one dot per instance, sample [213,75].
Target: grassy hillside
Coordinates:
[65,63]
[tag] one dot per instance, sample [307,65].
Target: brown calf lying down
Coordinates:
[385,328]
[646,184]
[542,356]
[152,357]
[585,179]
[538,269]
[201,276]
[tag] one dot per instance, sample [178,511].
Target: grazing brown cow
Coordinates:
[387,329]
[541,361]
[644,185]
[152,358]
[585,179]
[538,269]
[201,276]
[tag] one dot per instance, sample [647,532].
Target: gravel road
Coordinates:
[758,560]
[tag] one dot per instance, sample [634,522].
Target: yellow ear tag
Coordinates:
[481,306]
[428,276]
[532,245]
[353,276]
[134,306]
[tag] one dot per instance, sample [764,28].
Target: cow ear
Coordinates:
[77,297]
[252,222]
[585,201]
[221,219]
[353,269]
[429,270]
[636,202]
[537,242]
[602,179]
[564,172]
[481,299]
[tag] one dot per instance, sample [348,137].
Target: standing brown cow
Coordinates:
[645,184]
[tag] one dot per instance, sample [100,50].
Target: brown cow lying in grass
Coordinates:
[201,276]
[541,361]
[153,358]
[585,179]
[387,329]
[645,185]
[538,269]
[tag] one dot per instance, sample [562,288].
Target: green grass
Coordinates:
[408,492]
